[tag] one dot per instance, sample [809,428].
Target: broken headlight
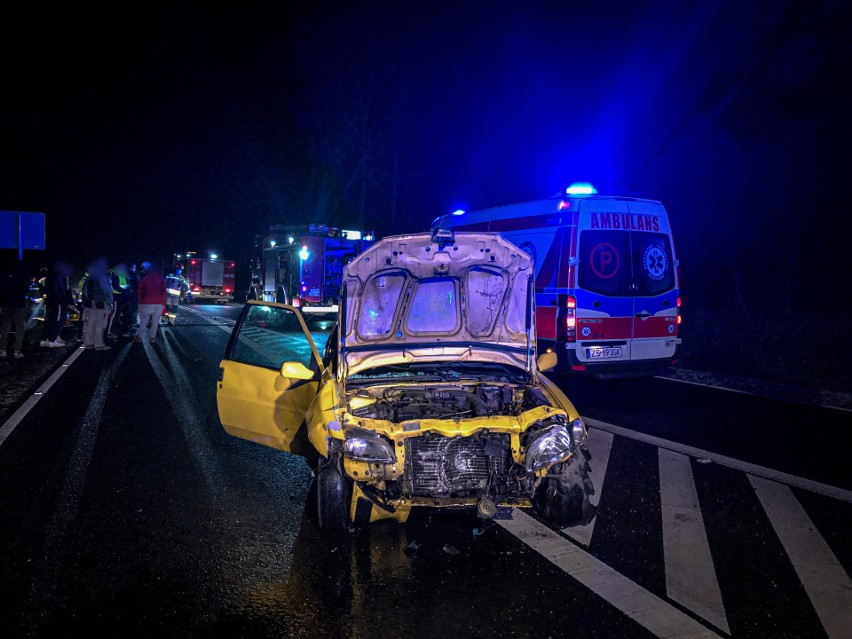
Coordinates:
[365,445]
[553,443]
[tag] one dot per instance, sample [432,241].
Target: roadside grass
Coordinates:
[813,351]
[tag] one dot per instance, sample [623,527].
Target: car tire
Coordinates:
[563,497]
[334,494]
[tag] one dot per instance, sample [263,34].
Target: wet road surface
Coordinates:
[126,509]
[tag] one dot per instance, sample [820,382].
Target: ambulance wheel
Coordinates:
[334,494]
[563,497]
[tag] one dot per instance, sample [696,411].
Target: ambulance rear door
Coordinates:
[655,286]
[603,291]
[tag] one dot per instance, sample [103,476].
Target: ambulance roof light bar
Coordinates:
[581,188]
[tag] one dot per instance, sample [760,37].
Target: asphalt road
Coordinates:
[126,510]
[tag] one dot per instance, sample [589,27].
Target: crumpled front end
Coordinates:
[485,445]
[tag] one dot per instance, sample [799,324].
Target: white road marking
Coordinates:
[18,416]
[826,582]
[600,446]
[743,392]
[730,462]
[45,582]
[181,398]
[690,574]
[645,608]
[225,327]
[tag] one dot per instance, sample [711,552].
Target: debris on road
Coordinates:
[412,547]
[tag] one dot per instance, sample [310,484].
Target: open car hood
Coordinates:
[439,297]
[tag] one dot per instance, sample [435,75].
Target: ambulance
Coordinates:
[607,289]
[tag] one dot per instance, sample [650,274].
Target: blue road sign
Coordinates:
[21,231]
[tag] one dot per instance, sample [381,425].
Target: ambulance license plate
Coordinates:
[601,352]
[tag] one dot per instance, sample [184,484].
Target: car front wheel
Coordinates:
[563,497]
[334,494]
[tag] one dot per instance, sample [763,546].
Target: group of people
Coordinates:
[121,300]
[18,290]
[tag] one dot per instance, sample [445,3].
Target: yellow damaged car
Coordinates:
[428,392]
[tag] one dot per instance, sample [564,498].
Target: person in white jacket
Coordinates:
[97,303]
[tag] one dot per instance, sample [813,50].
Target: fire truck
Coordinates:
[209,279]
[303,265]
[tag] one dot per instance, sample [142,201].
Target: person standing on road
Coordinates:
[118,279]
[57,299]
[175,286]
[133,297]
[253,292]
[15,305]
[152,297]
[97,298]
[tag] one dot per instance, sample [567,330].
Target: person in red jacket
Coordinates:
[152,298]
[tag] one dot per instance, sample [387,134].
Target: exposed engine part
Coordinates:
[450,402]
[456,466]
[486,508]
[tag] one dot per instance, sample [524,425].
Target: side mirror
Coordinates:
[296,370]
[547,361]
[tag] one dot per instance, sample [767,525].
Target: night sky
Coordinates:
[151,130]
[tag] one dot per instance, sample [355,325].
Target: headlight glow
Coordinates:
[365,445]
[578,432]
[553,443]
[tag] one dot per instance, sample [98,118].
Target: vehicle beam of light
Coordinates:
[581,188]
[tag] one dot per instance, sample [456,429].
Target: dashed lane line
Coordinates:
[826,582]
[746,467]
[599,445]
[642,606]
[18,416]
[690,573]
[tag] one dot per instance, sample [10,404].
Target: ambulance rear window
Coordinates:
[653,266]
[604,266]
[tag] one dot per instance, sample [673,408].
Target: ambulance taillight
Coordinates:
[566,320]
[679,318]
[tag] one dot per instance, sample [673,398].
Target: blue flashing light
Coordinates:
[581,188]
[304,253]
[459,212]
[213,256]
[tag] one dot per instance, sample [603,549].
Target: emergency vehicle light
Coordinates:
[352,235]
[290,240]
[304,253]
[581,188]
[459,212]
[272,243]
[213,256]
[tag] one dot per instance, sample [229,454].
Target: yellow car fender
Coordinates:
[362,510]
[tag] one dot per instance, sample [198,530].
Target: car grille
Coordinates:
[453,466]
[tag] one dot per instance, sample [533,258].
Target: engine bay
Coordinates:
[399,404]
